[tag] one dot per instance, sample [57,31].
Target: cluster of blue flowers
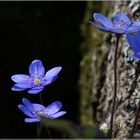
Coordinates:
[34,83]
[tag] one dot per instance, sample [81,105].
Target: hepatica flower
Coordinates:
[37,78]
[134,42]
[120,24]
[34,110]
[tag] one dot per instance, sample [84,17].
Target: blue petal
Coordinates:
[122,17]
[23,86]
[39,107]
[134,27]
[28,105]
[15,88]
[36,69]
[103,20]
[46,82]
[56,115]
[110,30]
[136,56]
[35,90]
[20,78]
[53,108]
[25,110]
[31,120]
[131,38]
[51,75]
[99,26]
[137,38]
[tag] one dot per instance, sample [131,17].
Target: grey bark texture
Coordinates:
[97,81]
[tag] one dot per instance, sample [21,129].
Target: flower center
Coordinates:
[37,82]
[121,24]
[40,113]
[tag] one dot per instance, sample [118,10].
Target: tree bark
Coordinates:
[97,81]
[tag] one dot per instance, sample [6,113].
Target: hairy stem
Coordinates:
[135,122]
[115,85]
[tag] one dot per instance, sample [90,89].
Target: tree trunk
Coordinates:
[97,81]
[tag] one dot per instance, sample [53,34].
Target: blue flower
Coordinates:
[120,24]
[34,110]
[36,80]
[134,42]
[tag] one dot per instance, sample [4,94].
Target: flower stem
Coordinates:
[38,133]
[115,84]
[38,130]
[39,126]
[135,122]
[41,100]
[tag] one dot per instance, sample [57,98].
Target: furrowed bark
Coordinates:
[96,81]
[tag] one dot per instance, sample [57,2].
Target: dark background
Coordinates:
[49,31]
